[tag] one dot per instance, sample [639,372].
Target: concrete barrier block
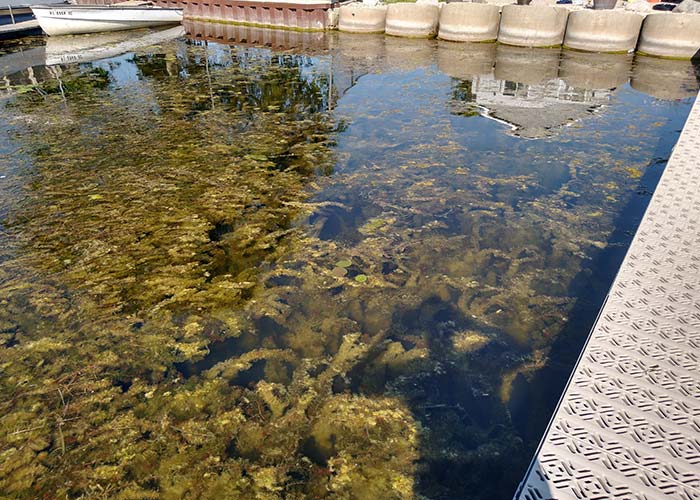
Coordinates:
[640,6]
[688,6]
[532,26]
[603,30]
[412,20]
[469,22]
[586,70]
[332,18]
[359,18]
[671,35]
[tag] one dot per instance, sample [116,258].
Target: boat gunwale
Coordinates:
[103,7]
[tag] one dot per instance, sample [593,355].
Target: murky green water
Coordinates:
[360,267]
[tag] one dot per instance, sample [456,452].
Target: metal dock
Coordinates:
[21,20]
[628,423]
[22,26]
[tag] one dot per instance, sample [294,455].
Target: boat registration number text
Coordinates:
[60,13]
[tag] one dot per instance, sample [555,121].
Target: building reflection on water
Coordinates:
[531,110]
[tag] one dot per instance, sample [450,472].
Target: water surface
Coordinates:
[309,265]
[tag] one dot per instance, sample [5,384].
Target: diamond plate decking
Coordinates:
[628,424]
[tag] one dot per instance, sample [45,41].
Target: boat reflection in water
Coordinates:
[86,48]
[34,66]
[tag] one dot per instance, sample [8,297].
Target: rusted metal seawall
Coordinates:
[303,16]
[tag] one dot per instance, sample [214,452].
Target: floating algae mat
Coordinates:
[340,271]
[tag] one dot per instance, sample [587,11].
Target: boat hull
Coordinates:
[73,20]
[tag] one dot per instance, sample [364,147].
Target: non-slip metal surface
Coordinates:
[628,424]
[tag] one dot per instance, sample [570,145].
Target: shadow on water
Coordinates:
[347,335]
[532,398]
[533,401]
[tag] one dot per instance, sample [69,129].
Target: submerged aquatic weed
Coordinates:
[135,254]
[191,310]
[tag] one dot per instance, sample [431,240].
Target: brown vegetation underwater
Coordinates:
[212,286]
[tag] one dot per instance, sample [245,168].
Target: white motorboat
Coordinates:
[66,19]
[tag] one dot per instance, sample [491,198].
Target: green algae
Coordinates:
[193,308]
